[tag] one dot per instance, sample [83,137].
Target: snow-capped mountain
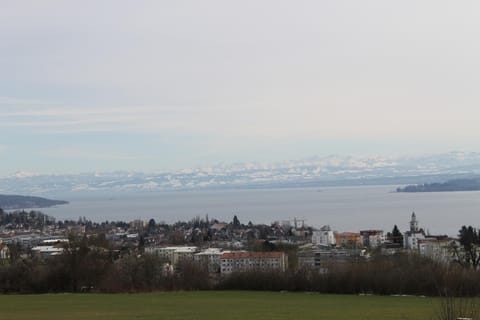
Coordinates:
[311,172]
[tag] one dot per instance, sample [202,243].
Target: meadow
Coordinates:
[214,305]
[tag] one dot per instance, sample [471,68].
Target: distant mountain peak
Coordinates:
[313,171]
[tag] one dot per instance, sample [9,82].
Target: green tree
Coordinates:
[397,236]
[152,225]
[236,223]
[468,254]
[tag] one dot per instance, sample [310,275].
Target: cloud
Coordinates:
[97,155]
[88,119]
[326,120]
[9,102]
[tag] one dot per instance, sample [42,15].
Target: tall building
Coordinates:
[414,235]
[414,223]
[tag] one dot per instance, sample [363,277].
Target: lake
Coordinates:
[343,208]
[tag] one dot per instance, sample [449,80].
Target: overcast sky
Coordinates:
[153,85]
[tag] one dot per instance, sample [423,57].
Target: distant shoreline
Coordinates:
[456,185]
[16,202]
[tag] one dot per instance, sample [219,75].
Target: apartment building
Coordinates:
[250,261]
[173,255]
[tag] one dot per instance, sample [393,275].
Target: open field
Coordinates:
[213,305]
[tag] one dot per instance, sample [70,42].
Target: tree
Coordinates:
[141,244]
[469,253]
[152,225]
[236,222]
[397,236]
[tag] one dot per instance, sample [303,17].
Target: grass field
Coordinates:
[213,305]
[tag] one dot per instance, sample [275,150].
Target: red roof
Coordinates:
[247,255]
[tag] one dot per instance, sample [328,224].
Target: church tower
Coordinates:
[414,223]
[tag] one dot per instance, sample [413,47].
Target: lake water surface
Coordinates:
[343,208]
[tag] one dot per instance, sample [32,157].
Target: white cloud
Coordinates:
[97,155]
[9,102]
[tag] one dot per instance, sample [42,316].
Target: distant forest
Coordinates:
[13,202]
[451,185]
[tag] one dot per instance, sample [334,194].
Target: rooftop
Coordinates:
[246,255]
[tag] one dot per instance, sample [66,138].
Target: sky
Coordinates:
[155,85]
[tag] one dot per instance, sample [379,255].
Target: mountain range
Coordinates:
[312,172]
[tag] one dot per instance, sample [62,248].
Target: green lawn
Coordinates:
[213,305]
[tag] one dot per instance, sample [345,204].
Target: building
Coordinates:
[412,237]
[50,247]
[76,229]
[4,251]
[323,259]
[210,258]
[173,255]
[438,248]
[372,238]
[252,261]
[138,224]
[348,240]
[45,251]
[324,237]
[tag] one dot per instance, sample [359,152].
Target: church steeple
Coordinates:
[414,223]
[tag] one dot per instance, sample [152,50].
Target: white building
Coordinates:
[324,237]
[210,258]
[47,250]
[4,251]
[173,255]
[412,238]
[253,261]
[438,249]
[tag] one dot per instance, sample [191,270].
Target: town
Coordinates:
[222,248]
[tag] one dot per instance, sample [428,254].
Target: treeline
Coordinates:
[93,269]
[97,273]
[27,219]
[384,275]
[89,264]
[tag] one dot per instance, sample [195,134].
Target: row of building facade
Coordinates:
[219,261]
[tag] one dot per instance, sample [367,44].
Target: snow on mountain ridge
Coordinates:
[311,170]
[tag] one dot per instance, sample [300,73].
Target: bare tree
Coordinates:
[453,308]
